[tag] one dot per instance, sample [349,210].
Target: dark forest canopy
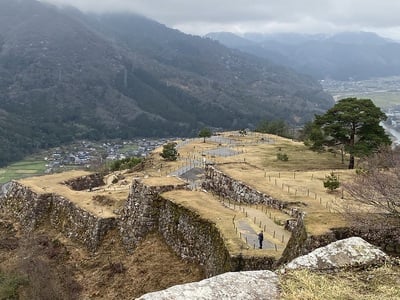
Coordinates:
[65,75]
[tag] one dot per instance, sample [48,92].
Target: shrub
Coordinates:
[169,152]
[125,163]
[282,156]
[331,182]
[9,284]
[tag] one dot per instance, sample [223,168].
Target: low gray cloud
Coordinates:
[310,16]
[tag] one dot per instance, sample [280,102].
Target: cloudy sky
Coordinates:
[239,16]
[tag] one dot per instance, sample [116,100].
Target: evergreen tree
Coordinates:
[205,133]
[169,152]
[352,124]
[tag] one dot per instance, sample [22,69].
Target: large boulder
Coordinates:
[351,252]
[233,285]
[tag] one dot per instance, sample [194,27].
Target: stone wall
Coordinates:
[32,210]
[85,182]
[226,187]
[301,242]
[79,224]
[194,238]
[188,234]
[28,207]
[141,212]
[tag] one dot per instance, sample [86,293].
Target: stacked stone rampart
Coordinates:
[85,182]
[192,237]
[300,242]
[227,187]
[33,209]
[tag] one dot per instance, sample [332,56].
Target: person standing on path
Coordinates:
[260,238]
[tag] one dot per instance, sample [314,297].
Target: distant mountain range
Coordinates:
[343,56]
[65,75]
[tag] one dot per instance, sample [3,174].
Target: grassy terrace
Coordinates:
[298,180]
[210,208]
[84,199]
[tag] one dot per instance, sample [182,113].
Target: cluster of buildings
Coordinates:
[90,154]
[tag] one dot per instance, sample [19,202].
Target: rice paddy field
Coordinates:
[26,168]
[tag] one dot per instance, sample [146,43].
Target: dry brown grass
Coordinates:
[378,283]
[299,180]
[84,199]
[68,271]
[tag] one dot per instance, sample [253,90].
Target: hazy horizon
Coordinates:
[263,16]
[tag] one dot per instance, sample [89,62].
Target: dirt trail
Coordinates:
[275,236]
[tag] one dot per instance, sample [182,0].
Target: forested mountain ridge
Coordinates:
[65,75]
[342,56]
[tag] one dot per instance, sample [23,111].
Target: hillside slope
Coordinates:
[66,75]
[343,56]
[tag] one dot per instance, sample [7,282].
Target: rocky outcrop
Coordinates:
[351,252]
[238,285]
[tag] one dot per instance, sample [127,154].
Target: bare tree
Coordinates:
[377,183]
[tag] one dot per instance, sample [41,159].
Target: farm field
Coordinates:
[26,168]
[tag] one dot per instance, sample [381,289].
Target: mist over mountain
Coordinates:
[343,56]
[65,75]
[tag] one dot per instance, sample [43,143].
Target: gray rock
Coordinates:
[233,285]
[351,252]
